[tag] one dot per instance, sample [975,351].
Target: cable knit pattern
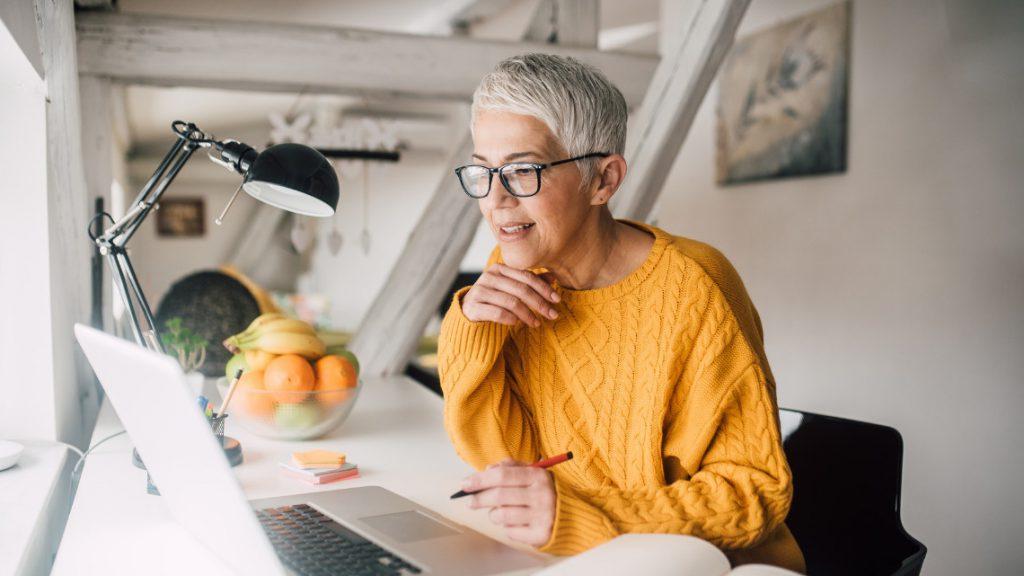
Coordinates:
[660,387]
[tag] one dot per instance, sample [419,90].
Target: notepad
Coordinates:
[318,459]
[321,475]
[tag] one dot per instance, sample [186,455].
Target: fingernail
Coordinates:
[555,296]
[552,314]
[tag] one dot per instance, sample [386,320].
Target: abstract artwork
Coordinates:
[782,100]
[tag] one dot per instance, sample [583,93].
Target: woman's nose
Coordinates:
[498,197]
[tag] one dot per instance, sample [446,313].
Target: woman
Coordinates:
[638,351]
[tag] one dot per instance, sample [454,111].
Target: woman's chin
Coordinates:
[515,259]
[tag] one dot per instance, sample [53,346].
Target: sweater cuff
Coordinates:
[578,525]
[481,341]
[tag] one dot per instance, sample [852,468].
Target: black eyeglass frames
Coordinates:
[521,179]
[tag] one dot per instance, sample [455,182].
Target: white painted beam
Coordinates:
[19,17]
[566,23]
[675,94]
[99,146]
[67,199]
[158,50]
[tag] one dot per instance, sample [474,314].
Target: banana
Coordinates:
[281,324]
[261,320]
[305,345]
[284,325]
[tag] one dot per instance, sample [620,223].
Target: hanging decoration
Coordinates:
[349,144]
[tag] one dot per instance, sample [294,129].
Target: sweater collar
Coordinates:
[631,280]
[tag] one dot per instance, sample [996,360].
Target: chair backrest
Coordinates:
[846,500]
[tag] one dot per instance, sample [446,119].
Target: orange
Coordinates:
[289,378]
[334,376]
[251,396]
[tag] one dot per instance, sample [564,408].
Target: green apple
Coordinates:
[237,361]
[297,416]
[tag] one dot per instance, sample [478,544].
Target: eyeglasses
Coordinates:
[521,179]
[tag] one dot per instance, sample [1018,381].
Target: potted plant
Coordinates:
[188,348]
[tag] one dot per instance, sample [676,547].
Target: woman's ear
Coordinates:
[608,176]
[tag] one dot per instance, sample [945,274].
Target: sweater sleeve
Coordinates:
[484,417]
[732,487]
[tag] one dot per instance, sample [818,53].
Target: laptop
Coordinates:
[362,530]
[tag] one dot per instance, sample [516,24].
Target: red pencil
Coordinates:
[543,463]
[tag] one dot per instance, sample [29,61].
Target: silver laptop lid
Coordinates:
[152,398]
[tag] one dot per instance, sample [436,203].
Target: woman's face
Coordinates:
[537,230]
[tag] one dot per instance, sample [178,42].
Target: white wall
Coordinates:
[893,293]
[160,261]
[27,407]
[398,196]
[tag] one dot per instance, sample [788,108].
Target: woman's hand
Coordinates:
[509,296]
[521,498]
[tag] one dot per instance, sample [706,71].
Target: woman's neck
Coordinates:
[604,252]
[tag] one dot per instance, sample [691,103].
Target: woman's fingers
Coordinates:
[523,294]
[511,515]
[526,293]
[507,302]
[491,313]
[502,496]
[530,279]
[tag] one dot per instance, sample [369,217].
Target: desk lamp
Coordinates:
[289,176]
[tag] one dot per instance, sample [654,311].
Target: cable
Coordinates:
[85,455]
[81,460]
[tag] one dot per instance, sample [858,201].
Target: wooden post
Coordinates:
[676,92]
[74,394]
[428,265]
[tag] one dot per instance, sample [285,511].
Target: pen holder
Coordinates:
[232,450]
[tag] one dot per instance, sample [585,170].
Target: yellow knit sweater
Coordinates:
[659,386]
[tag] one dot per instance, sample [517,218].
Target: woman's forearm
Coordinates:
[484,418]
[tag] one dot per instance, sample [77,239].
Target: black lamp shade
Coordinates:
[294,177]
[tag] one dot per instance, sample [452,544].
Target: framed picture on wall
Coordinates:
[782,100]
[181,217]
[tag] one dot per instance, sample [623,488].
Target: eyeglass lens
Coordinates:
[520,179]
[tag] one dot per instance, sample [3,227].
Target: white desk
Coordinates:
[395,434]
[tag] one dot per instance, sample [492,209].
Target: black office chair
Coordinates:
[846,499]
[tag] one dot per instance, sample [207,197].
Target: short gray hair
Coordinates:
[581,107]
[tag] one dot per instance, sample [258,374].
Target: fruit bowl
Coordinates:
[295,415]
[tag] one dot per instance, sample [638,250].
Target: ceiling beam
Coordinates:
[660,126]
[566,23]
[166,51]
[95,4]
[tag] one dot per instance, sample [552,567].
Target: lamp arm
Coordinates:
[114,239]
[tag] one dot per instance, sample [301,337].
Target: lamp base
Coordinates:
[232,450]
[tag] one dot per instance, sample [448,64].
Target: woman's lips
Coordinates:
[515,231]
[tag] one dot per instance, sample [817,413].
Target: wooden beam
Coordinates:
[67,202]
[19,17]
[429,263]
[95,4]
[98,150]
[392,327]
[676,92]
[159,50]
[566,23]
[457,16]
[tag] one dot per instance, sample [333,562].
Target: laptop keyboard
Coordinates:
[312,544]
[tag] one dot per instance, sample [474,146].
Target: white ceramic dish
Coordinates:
[9,453]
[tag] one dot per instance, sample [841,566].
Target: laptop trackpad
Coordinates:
[408,526]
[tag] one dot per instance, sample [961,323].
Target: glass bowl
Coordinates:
[289,415]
